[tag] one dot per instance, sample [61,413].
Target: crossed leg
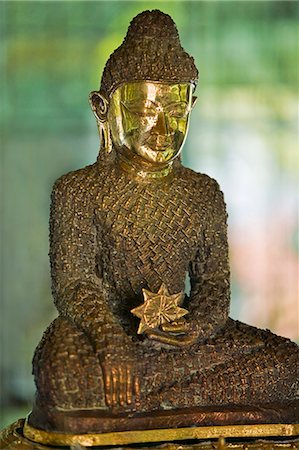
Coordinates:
[67,372]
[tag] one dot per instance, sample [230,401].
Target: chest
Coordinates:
[134,219]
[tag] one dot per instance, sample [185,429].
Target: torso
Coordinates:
[147,233]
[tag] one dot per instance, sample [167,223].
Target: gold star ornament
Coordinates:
[159,308]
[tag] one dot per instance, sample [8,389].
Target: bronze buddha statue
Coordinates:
[125,231]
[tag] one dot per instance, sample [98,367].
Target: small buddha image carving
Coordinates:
[129,348]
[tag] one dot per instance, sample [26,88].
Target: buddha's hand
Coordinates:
[177,334]
[178,327]
[121,382]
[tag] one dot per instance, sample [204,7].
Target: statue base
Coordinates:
[90,421]
[22,436]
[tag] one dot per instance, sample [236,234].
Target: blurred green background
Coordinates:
[243,132]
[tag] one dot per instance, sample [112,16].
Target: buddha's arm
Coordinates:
[209,271]
[79,293]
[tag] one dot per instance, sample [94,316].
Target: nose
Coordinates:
[161,127]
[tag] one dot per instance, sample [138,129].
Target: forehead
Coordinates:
[155,91]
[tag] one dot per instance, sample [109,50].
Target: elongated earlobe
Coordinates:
[194,101]
[99,105]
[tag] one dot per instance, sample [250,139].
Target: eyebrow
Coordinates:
[170,101]
[136,100]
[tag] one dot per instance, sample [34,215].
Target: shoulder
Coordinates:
[205,192]
[200,183]
[75,183]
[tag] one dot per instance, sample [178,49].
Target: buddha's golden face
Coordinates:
[150,119]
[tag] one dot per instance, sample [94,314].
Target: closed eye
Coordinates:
[147,109]
[178,110]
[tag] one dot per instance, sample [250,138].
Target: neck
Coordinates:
[142,170]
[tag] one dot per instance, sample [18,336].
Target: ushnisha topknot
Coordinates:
[150,51]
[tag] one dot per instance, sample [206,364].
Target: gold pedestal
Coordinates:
[20,435]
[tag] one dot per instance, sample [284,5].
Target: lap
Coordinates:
[239,364]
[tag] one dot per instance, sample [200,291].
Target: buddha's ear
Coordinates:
[99,105]
[194,101]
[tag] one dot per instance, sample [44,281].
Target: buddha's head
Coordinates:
[146,92]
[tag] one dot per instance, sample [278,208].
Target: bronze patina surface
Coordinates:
[137,222]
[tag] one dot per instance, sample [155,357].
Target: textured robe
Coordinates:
[112,235]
